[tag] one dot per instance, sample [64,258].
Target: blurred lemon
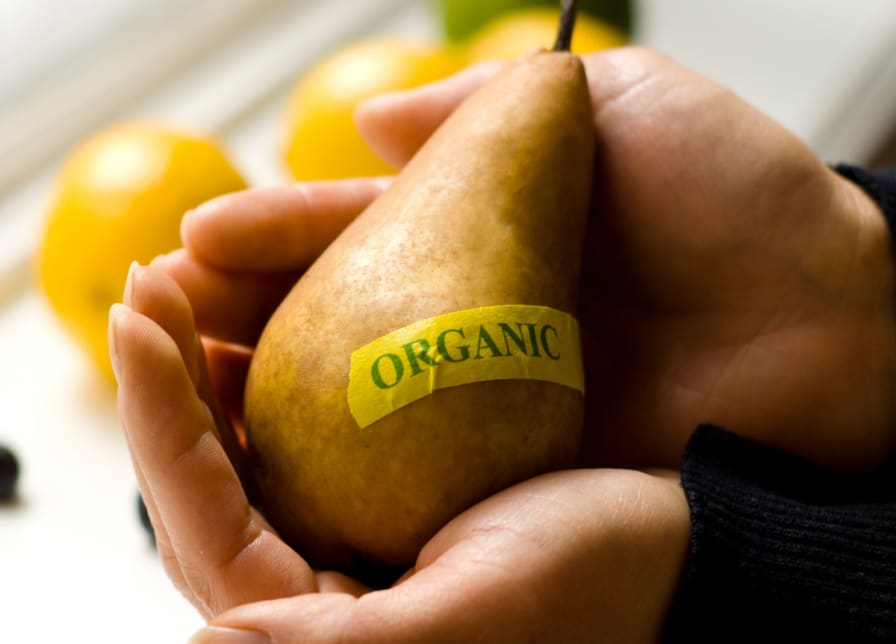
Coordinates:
[322,141]
[517,32]
[461,18]
[120,197]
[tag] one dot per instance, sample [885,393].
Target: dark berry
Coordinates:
[9,473]
[144,518]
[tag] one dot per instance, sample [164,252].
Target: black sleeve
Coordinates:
[879,184]
[781,549]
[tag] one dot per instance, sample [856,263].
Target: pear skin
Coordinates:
[491,210]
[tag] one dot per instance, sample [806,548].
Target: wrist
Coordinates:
[782,548]
[873,277]
[866,308]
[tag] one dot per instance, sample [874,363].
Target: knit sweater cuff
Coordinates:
[879,184]
[783,548]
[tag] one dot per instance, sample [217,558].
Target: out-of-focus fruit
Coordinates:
[461,18]
[143,516]
[9,473]
[120,197]
[322,141]
[518,32]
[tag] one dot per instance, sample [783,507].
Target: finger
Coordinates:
[277,229]
[160,532]
[323,618]
[395,125]
[612,73]
[153,293]
[158,297]
[649,110]
[162,540]
[336,582]
[434,612]
[637,74]
[180,331]
[673,476]
[227,553]
[231,307]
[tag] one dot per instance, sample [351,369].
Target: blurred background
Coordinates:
[116,116]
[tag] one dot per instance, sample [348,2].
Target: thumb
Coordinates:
[396,124]
[314,618]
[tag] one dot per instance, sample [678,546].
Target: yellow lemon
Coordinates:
[515,33]
[322,141]
[120,197]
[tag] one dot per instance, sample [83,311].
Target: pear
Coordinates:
[490,211]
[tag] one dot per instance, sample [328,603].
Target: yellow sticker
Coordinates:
[507,342]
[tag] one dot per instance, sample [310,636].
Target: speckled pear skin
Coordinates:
[492,210]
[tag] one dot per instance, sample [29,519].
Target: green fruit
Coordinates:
[461,18]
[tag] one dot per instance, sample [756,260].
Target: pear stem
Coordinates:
[567,22]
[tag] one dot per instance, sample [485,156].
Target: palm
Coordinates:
[550,562]
[575,556]
[711,290]
[726,273]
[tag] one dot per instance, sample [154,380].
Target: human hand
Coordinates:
[576,556]
[220,233]
[729,275]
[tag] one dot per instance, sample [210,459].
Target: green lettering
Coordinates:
[534,340]
[422,354]
[378,376]
[485,341]
[544,341]
[518,340]
[441,344]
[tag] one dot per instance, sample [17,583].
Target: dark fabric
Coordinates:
[783,550]
[879,184]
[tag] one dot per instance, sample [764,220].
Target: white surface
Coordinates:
[826,69]
[128,57]
[74,563]
[62,27]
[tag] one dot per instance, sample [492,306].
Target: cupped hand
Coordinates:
[576,556]
[729,275]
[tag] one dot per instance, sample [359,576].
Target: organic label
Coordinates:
[507,342]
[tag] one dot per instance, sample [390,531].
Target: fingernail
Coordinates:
[377,104]
[189,221]
[220,635]
[129,283]
[184,224]
[203,210]
[115,314]
[383,183]
[159,261]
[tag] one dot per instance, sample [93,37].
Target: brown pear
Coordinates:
[491,211]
